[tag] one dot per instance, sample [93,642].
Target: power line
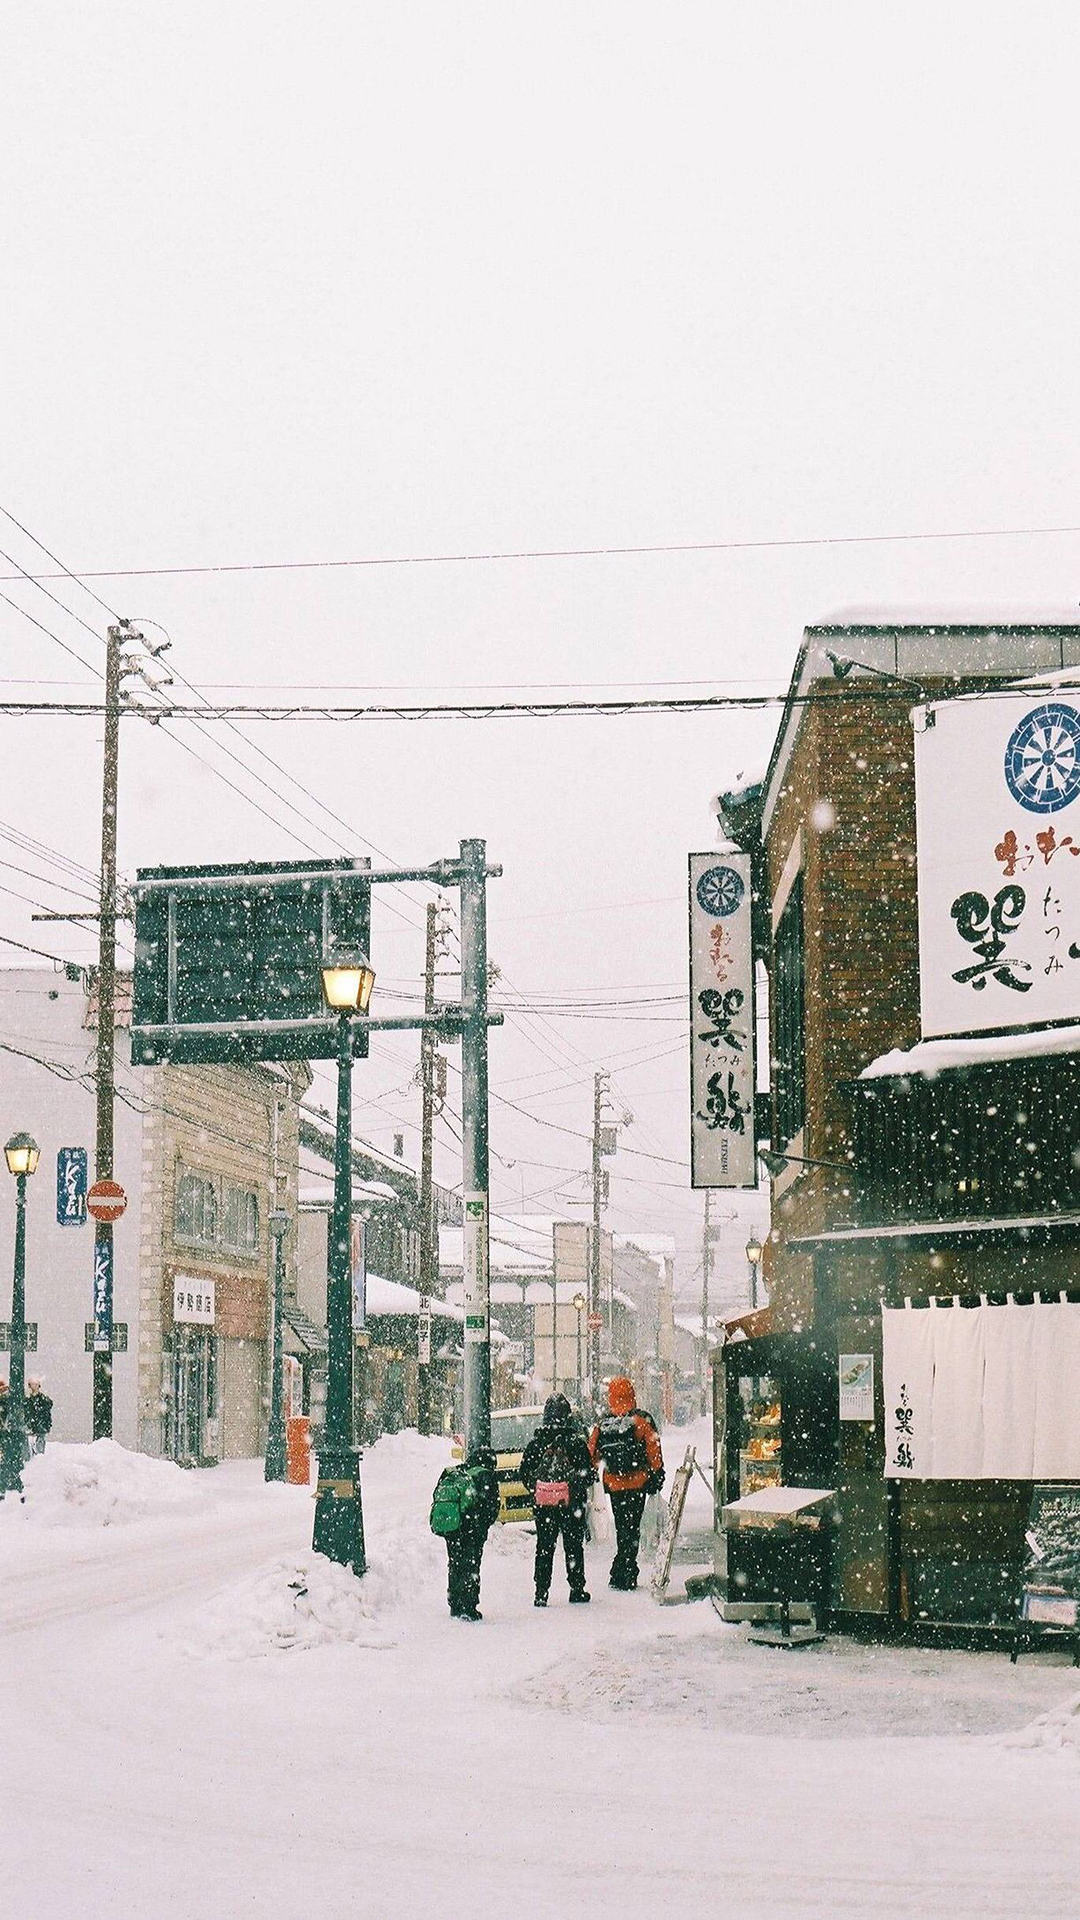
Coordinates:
[562,553]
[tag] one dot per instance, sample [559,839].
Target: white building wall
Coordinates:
[46,1089]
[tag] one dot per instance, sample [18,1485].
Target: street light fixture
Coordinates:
[347,979]
[22,1155]
[753,1260]
[579,1304]
[278,1224]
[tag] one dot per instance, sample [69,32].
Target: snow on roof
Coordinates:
[928,618]
[523,1245]
[390,1296]
[318,1191]
[661,1246]
[929,1057]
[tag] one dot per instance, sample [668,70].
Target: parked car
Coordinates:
[511,1430]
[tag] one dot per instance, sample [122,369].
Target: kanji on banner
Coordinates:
[723,1149]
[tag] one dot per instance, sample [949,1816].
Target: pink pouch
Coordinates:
[552,1493]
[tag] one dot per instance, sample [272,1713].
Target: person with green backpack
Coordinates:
[464,1507]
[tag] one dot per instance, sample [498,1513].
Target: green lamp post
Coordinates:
[347,980]
[22,1155]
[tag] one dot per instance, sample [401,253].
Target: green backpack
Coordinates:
[454,1498]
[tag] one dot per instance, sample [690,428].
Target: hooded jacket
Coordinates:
[626,1421]
[558,1437]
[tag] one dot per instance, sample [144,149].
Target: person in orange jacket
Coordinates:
[627,1442]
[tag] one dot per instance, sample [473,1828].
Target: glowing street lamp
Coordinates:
[22,1155]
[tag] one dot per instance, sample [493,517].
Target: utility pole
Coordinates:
[600,1082]
[102,1420]
[428,1240]
[706,1275]
[474,1110]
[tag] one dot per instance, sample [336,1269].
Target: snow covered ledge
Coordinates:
[930,1057]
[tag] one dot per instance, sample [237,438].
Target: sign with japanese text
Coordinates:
[103,1295]
[71,1184]
[997,781]
[193,1301]
[723,1150]
[476,1287]
[856,1386]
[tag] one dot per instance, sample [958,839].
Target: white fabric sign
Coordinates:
[997,790]
[723,1148]
[982,1393]
[193,1301]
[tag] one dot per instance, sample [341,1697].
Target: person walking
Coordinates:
[39,1411]
[557,1472]
[627,1442]
[464,1507]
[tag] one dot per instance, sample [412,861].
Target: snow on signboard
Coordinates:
[722,1076]
[997,782]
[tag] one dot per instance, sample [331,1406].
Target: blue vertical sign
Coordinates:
[71,1178]
[103,1295]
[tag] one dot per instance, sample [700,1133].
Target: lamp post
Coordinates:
[753,1261]
[347,980]
[22,1155]
[275,1426]
[579,1304]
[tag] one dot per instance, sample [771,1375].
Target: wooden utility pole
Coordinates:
[102,1419]
[428,1228]
[600,1081]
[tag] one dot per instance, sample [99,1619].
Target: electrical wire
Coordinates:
[567,553]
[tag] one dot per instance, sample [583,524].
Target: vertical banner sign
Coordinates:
[722,1037]
[423,1336]
[475,1271]
[71,1183]
[103,1295]
[997,791]
[358,1269]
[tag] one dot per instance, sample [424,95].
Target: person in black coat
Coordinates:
[465,1548]
[557,1471]
[38,1414]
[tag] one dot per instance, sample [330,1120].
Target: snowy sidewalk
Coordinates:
[182,1749]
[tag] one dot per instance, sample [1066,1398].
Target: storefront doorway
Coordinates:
[191,1436]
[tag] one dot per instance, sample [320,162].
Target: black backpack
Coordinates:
[621,1444]
[554,1459]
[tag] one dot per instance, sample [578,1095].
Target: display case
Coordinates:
[760,1443]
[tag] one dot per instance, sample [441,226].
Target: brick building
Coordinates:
[902,1208]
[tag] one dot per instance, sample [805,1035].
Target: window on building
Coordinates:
[196,1209]
[240,1220]
[788,987]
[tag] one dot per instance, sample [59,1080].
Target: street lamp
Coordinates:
[753,1261]
[579,1303]
[22,1155]
[278,1224]
[347,980]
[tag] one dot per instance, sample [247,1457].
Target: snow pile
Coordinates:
[1055,1732]
[100,1484]
[291,1604]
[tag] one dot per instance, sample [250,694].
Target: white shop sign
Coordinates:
[997,783]
[193,1301]
[722,1074]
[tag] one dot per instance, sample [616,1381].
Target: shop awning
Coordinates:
[311,1336]
[1031,1227]
[749,1326]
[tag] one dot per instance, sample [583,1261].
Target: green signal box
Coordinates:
[228,959]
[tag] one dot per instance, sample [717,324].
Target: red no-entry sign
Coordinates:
[106,1200]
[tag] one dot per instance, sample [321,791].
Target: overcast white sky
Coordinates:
[291,283]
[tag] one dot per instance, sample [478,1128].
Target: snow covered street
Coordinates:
[169,1752]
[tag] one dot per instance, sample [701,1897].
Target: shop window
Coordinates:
[788,987]
[759,1433]
[195,1217]
[240,1220]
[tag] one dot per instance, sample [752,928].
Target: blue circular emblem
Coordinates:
[1042,759]
[719,891]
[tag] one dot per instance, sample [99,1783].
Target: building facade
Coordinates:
[905,1176]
